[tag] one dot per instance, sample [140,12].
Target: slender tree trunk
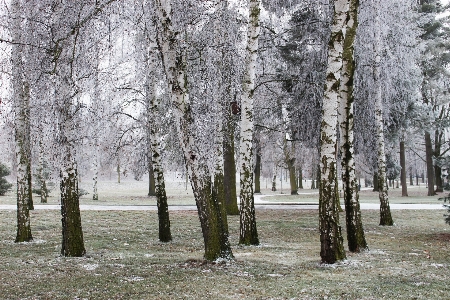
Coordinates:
[95,160]
[355,232]
[21,122]
[155,150]
[438,169]
[22,144]
[331,240]
[429,162]
[300,178]
[411,180]
[30,178]
[248,234]
[258,172]
[209,209]
[118,170]
[274,179]
[403,171]
[41,171]
[385,211]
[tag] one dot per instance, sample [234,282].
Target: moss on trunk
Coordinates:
[72,233]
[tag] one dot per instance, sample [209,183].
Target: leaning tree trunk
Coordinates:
[403,171]
[331,240]
[210,212]
[355,232]
[21,122]
[248,234]
[429,163]
[385,211]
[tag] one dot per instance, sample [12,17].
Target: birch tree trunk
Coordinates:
[429,163]
[21,123]
[41,171]
[248,234]
[155,148]
[211,216]
[403,171]
[355,232]
[97,127]
[385,211]
[332,248]
[274,178]
[437,153]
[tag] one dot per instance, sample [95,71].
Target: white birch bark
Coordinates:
[248,233]
[385,212]
[174,62]
[154,101]
[355,232]
[332,248]
[97,128]
[21,123]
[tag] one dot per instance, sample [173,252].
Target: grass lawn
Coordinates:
[125,261]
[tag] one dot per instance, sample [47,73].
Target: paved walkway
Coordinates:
[267,205]
[259,204]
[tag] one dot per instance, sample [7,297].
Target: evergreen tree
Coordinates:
[5,186]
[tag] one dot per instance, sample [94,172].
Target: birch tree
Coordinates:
[355,233]
[21,96]
[385,211]
[248,234]
[172,48]
[332,248]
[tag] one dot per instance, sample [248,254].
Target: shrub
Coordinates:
[5,186]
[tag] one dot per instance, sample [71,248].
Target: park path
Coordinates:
[259,204]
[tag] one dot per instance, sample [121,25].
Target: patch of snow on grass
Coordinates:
[90,267]
[134,278]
